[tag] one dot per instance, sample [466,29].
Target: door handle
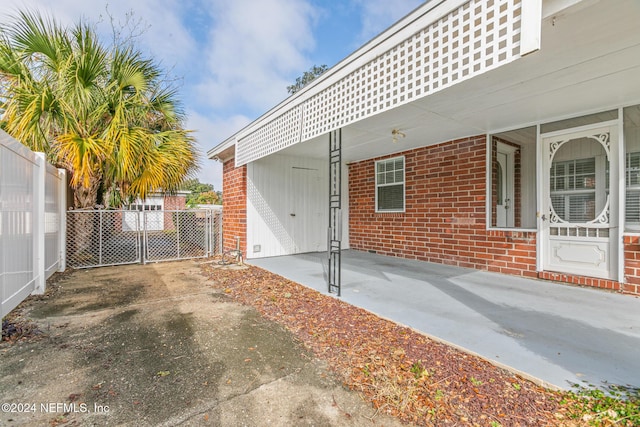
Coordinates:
[292,214]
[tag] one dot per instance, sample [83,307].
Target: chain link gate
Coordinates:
[97,238]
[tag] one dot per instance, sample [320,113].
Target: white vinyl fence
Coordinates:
[32,218]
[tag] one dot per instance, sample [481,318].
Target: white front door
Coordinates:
[505,184]
[579,227]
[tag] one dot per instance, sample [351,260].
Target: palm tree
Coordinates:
[105,114]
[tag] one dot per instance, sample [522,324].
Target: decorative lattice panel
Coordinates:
[476,37]
[276,135]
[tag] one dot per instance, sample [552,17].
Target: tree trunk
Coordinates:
[86,198]
[83,234]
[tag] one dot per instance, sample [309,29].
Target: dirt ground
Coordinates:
[161,344]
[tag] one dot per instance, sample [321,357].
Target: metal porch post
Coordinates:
[335,211]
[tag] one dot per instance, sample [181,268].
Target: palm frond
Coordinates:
[84,155]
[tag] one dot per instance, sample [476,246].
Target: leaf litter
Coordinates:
[400,371]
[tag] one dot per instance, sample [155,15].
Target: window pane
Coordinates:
[558,205]
[390,178]
[633,206]
[633,169]
[381,179]
[632,176]
[582,208]
[391,197]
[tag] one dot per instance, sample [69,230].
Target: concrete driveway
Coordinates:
[159,344]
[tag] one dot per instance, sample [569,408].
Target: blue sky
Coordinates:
[234,58]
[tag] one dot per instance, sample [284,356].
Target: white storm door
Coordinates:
[580,201]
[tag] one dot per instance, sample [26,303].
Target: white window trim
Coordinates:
[404,185]
[630,226]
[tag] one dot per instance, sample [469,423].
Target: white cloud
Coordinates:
[254,48]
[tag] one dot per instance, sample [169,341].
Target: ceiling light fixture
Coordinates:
[397,133]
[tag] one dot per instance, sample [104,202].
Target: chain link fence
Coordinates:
[98,238]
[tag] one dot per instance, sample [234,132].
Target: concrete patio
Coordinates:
[553,333]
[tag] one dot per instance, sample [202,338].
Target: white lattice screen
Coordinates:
[478,36]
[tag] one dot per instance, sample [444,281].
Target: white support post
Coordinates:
[62,191]
[622,195]
[531,26]
[38,223]
[540,251]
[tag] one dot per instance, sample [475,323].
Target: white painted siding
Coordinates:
[277,187]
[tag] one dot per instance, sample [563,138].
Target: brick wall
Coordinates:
[172,203]
[444,219]
[175,202]
[632,265]
[234,201]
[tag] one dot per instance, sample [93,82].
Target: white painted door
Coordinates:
[579,227]
[307,217]
[504,206]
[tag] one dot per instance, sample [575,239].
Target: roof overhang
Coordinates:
[224,151]
[589,60]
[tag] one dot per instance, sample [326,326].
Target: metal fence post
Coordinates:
[208,231]
[178,231]
[100,237]
[220,232]
[142,229]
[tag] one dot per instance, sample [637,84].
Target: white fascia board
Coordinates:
[531,30]
[551,8]
[415,21]
[215,151]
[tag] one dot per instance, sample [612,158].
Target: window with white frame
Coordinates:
[632,167]
[633,188]
[390,185]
